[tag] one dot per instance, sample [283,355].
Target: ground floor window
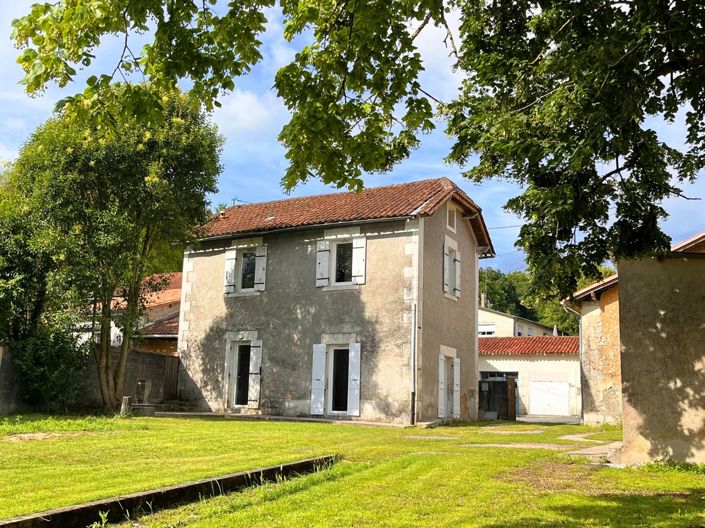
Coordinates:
[243,361]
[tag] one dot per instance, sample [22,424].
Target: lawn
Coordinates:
[388,477]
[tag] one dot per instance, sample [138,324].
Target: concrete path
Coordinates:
[598,453]
[582,437]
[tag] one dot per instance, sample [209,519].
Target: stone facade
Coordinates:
[403,285]
[601,370]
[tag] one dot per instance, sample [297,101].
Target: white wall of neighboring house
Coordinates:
[553,382]
[505,325]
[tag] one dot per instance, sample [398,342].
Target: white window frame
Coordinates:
[520,330]
[449,271]
[333,261]
[452,210]
[487,329]
[239,255]
[327,259]
[530,331]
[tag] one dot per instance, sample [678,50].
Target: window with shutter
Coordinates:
[322,260]
[441,386]
[230,270]
[318,381]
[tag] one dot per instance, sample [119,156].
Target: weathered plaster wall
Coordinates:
[445,321]
[602,381]
[662,328]
[292,315]
[8,388]
[538,368]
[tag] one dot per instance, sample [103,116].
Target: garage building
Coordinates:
[546,370]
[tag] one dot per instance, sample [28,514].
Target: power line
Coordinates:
[506,227]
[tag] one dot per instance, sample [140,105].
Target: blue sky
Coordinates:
[252,116]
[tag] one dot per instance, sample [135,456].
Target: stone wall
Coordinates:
[662,329]
[601,370]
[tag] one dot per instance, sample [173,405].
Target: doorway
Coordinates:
[242,374]
[339,367]
[238,375]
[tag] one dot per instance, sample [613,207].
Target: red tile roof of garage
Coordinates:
[420,198]
[166,326]
[529,346]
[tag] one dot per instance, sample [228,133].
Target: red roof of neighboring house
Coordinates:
[529,346]
[393,201]
[166,326]
[171,293]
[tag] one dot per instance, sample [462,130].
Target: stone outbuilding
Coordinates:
[344,305]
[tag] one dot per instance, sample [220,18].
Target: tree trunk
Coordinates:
[103,355]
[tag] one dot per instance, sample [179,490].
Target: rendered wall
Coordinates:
[662,329]
[292,315]
[445,321]
[602,380]
[538,368]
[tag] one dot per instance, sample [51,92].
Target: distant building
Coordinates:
[492,323]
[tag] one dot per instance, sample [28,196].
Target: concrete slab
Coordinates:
[599,453]
[582,437]
[430,437]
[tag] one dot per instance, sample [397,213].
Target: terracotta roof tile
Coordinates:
[529,345]
[393,201]
[166,326]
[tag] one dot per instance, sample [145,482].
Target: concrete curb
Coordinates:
[126,507]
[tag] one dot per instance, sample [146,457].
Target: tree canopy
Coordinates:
[96,205]
[556,97]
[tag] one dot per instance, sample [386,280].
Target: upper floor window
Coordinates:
[530,331]
[451,268]
[520,330]
[245,268]
[343,263]
[452,217]
[340,258]
[487,329]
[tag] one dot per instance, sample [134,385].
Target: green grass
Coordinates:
[384,479]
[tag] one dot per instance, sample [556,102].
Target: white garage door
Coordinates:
[550,398]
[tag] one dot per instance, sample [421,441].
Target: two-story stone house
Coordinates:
[359,305]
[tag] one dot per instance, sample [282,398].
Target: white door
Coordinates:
[551,398]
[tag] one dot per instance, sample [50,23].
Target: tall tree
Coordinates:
[111,196]
[556,96]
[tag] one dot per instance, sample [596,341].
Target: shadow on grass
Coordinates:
[683,509]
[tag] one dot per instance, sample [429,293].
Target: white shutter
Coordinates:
[354,379]
[261,268]
[253,390]
[446,268]
[456,388]
[456,291]
[358,260]
[318,382]
[441,386]
[322,258]
[230,266]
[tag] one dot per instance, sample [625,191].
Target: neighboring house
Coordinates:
[358,305]
[599,307]
[546,370]
[499,324]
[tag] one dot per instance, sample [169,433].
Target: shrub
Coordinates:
[51,367]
